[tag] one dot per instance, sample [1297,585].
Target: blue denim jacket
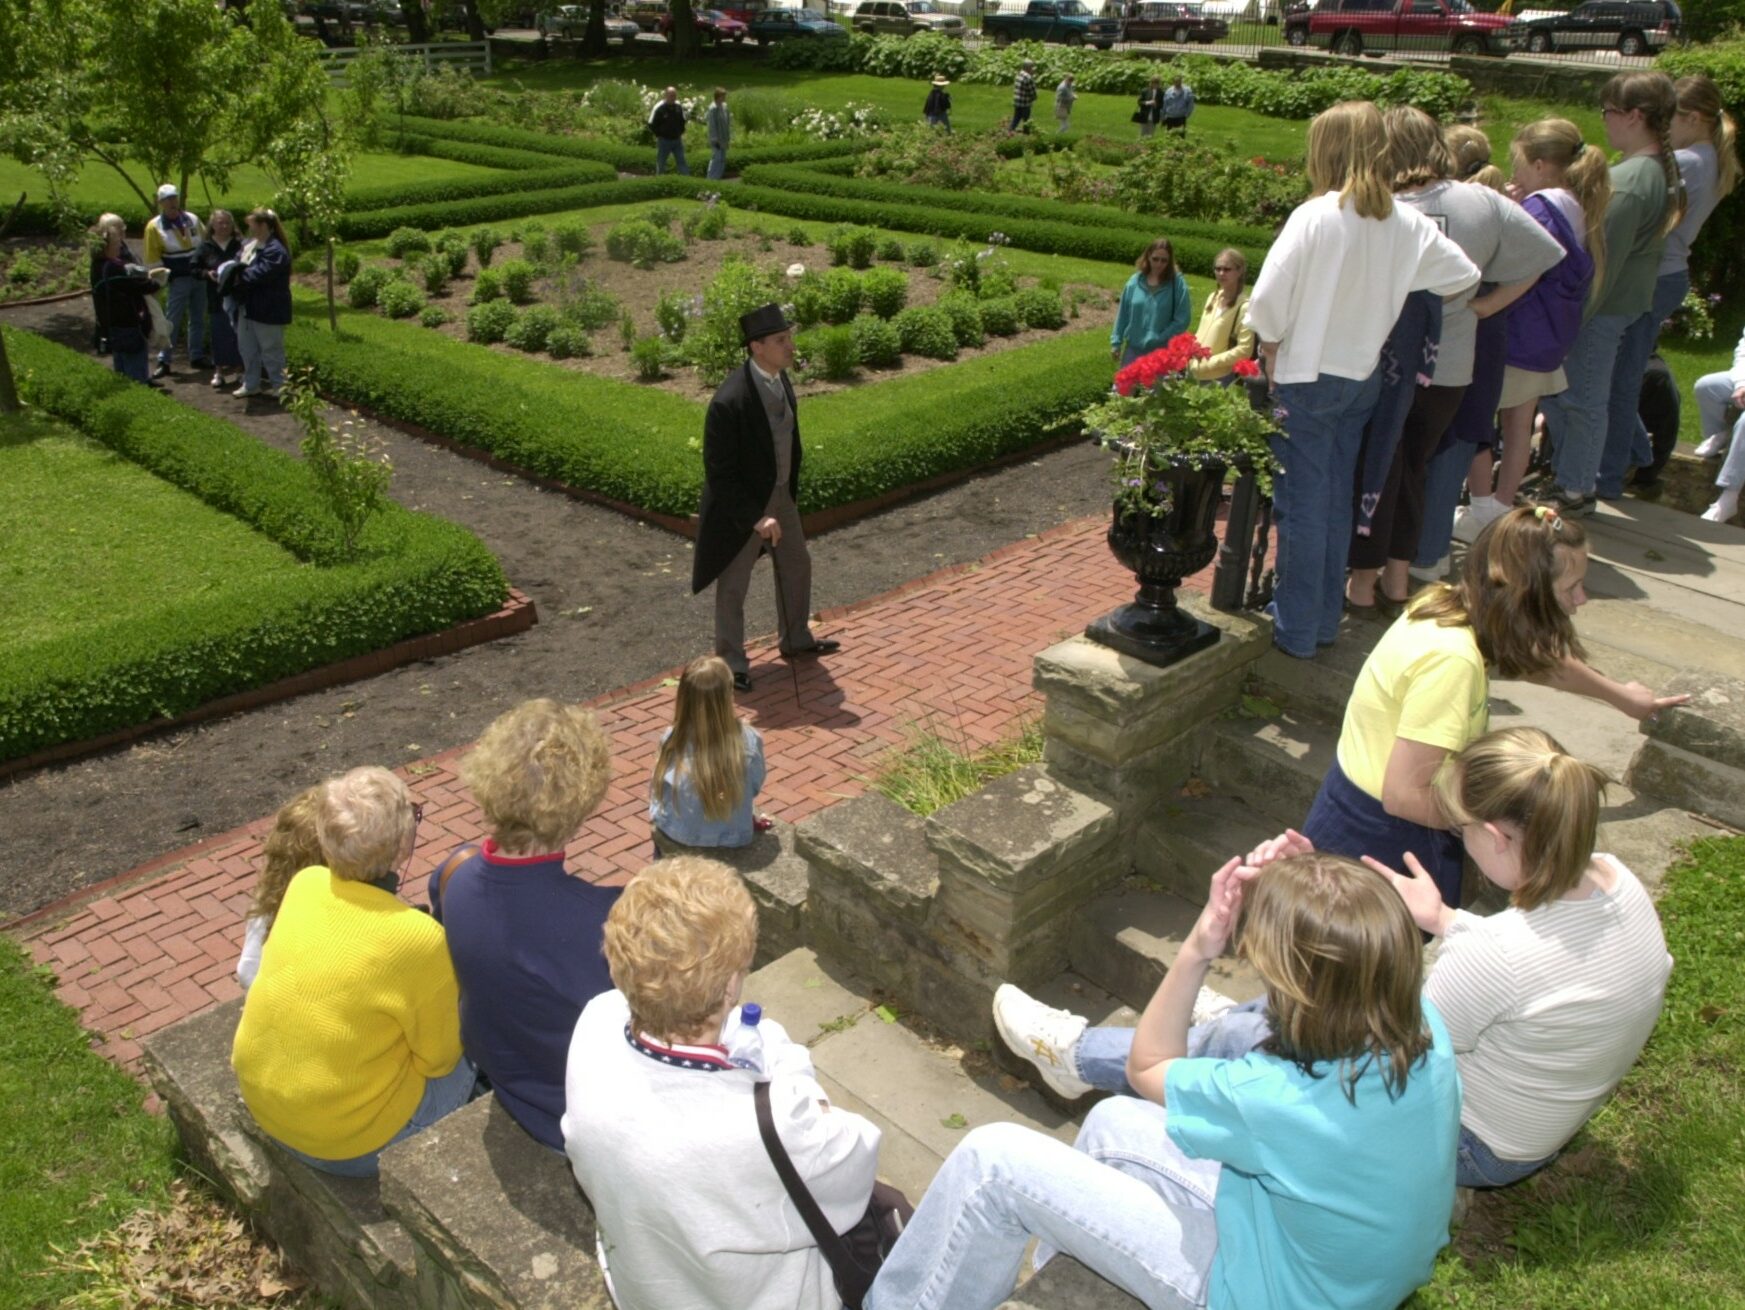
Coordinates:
[675,808]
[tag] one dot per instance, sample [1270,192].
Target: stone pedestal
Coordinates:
[1694,756]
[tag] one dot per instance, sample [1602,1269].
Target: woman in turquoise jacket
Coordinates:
[1154,305]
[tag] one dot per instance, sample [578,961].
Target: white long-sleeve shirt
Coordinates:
[692,1214]
[1333,284]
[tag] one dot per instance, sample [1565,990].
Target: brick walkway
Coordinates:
[950,652]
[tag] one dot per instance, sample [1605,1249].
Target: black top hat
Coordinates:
[765,320]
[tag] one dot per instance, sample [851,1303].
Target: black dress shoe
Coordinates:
[824,646]
[741,682]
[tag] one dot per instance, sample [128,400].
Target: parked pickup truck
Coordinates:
[1065,22]
[1355,27]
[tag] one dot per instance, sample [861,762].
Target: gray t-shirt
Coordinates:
[1504,240]
[1701,173]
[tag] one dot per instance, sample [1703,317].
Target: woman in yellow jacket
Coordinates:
[1223,328]
[350,1037]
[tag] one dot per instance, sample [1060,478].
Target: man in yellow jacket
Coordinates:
[172,238]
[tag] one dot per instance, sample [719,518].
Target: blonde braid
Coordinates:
[1675,197]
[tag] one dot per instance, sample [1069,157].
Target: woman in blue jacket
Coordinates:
[261,288]
[1154,305]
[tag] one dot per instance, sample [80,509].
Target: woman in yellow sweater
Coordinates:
[350,1037]
[1223,328]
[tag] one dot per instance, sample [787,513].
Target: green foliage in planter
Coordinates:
[345,265]
[926,330]
[885,291]
[843,291]
[838,352]
[401,300]
[641,243]
[487,286]
[877,342]
[1000,318]
[366,286]
[403,241]
[567,341]
[649,356]
[413,574]
[490,321]
[853,246]
[518,276]
[433,316]
[532,328]
[965,313]
[1040,307]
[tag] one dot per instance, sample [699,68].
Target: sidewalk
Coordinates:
[950,652]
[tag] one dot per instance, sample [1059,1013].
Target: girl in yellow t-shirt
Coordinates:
[1423,693]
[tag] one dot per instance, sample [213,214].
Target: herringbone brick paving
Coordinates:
[950,652]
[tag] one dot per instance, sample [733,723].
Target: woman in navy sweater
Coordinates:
[261,287]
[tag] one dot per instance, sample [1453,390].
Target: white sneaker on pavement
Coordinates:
[1724,510]
[1043,1035]
[1470,520]
[1435,573]
[1714,447]
[245,392]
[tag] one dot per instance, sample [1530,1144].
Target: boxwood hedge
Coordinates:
[414,574]
[551,176]
[490,209]
[628,158]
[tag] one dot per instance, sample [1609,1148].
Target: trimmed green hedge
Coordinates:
[551,177]
[490,209]
[629,158]
[638,444]
[466,152]
[415,574]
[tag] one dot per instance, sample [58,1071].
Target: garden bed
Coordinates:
[34,268]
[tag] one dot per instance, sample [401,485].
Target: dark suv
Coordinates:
[1172,20]
[1631,27]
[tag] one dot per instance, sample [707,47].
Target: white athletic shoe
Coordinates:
[1435,573]
[1714,447]
[244,393]
[1043,1035]
[1470,520]
[1724,510]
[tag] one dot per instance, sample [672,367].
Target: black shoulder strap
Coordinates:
[829,1241]
[439,883]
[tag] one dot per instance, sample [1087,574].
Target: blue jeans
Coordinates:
[186,298]
[131,363]
[1576,419]
[1714,392]
[939,120]
[263,353]
[1442,481]
[1123,1200]
[442,1096]
[675,148]
[1101,1053]
[1020,116]
[1627,440]
[717,163]
[1476,1165]
[1323,432]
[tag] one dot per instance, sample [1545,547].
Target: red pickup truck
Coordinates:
[1356,27]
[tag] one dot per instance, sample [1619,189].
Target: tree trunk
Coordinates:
[594,39]
[8,391]
[475,24]
[417,25]
[683,32]
[332,304]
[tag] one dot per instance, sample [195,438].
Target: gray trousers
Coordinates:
[793,566]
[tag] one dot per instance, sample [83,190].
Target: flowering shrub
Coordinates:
[1694,320]
[922,156]
[673,314]
[1187,179]
[1161,418]
[713,342]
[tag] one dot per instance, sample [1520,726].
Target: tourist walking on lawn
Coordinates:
[1224,328]
[667,121]
[1604,367]
[1703,148]
[1325,301]
[1064,96]
[259,283]
[1266,1178]
[1178,105]
[1150,111]
[938,106]
[292,846]
[751,486]
[1023,95]
[1715,393]
[710,766]
[172,239]
[718,124]
[223,243]
[1154,305]
[119,291]
[350,1035]
[523,933]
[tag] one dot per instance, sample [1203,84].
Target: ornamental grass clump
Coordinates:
[1161,419]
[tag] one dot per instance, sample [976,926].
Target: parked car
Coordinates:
[1355,27]
[904,18]
[744,11]
[1065,22]
[1173,20]
[788,24]
[1631,27]
[712,25]
[646,14]
[572,21]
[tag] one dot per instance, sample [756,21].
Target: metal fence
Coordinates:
[472,56]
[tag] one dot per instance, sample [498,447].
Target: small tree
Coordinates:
[350,466]
[683,32]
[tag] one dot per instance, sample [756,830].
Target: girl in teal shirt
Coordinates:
[1154,305]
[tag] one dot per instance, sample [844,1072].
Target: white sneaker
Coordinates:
[1435,573]
[1714,447]
[1470,520]
[1723,510]
[1043,1035]
[245,392]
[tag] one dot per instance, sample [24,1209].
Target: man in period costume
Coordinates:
[751,482]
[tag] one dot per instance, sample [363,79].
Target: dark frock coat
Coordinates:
[739,472]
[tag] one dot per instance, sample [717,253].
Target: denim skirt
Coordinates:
[1346,820]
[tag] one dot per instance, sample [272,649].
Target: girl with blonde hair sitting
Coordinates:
[710,766]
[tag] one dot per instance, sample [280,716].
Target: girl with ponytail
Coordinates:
[1605,366]
[1550,1001]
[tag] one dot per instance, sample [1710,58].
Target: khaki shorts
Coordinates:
[1520,386]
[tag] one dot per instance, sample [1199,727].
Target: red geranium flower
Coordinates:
[1246,368]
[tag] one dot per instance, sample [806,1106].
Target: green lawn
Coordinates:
[86,536]
[1643,1210]
[78,1153]
[1689,360]
[99,187]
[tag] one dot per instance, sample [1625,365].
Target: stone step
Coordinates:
[1319,687]
[1125,941]
[1694,755]
[1189,836]
[776,876]
[1271,765]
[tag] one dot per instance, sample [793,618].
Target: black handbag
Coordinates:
[854,1257]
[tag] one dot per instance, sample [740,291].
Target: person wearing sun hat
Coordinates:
[938,106]
[172,240]
[751,489]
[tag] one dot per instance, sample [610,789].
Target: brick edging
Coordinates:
[517,615]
